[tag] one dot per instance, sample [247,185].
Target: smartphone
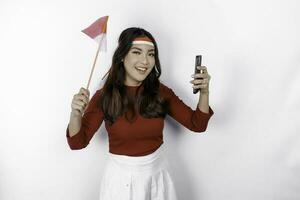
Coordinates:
[197,63]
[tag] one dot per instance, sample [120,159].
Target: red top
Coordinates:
[143,136]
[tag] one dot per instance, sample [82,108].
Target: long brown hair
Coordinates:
[114,101]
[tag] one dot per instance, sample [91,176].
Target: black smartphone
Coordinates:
[197,63]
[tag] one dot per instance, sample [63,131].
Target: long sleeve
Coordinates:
[194,120]
[91,121]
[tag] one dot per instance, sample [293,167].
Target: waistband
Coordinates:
[150,161]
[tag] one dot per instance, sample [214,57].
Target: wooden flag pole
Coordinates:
[106,73]
[87,87]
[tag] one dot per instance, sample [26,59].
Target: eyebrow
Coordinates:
[141,49]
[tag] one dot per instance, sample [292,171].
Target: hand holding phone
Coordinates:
[198,63]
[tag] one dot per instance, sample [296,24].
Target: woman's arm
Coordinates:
[194,120]
[80,131]
[203,103]
[203,85]
[74,124]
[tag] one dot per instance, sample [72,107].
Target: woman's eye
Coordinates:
[138,53]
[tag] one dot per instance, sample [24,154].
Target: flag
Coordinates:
[97,31]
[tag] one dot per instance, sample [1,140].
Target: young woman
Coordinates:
[133,103]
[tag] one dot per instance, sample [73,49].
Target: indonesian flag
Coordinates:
[97,31]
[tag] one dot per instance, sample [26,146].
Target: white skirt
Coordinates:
[137,177]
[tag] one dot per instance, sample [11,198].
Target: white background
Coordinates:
[251,149]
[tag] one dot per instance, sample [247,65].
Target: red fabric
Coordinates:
[143,136]
[96,28]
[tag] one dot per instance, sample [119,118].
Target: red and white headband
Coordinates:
[142,40]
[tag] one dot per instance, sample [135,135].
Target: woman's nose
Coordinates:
[144,59]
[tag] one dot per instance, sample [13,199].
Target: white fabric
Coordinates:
[137,178]
[101,40]
[142,42]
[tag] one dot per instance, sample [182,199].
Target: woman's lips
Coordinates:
[141,71]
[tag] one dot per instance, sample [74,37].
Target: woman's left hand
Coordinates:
[202,84]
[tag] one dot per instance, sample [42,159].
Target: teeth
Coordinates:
[140,68]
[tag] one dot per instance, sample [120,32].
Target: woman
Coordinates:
[133,103]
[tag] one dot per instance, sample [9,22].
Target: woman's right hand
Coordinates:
[80,102]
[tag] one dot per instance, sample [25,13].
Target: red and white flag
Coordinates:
[97,31]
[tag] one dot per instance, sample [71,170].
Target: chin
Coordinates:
[140,80]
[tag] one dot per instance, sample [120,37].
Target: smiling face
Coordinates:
[138,63]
